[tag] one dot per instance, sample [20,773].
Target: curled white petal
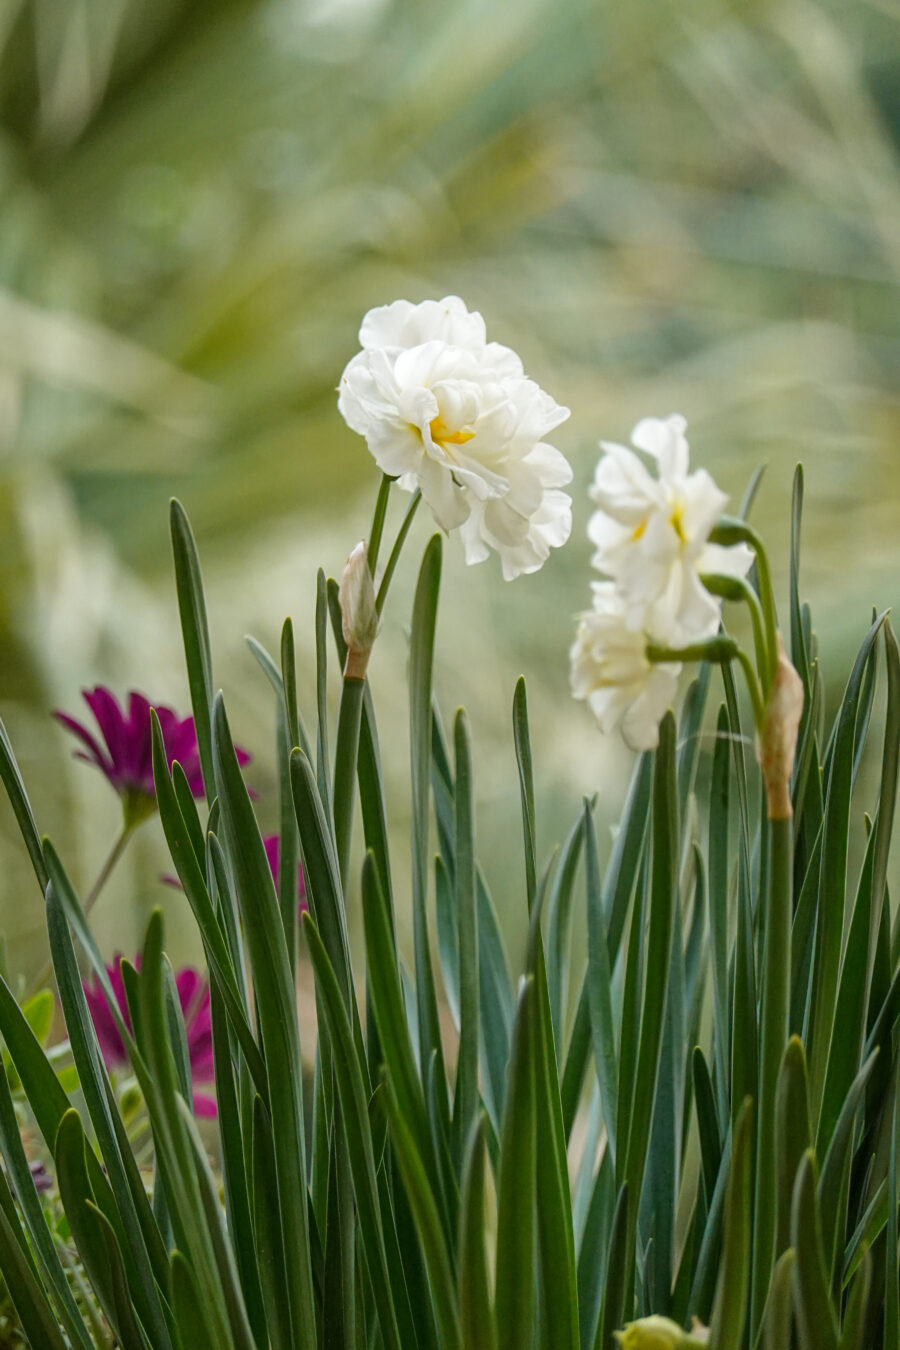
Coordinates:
[611,671]
[651,533]
[449,413]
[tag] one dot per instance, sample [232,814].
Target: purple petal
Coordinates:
[93,754]
[108,1037]
[111,721]
[139,742]
[204,1106]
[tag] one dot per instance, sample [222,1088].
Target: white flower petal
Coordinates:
[446,411]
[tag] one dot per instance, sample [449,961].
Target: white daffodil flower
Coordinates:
[611,670]
[651,533]
[446,411]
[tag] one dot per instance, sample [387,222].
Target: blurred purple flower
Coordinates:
[193,995]
[126,756]
[272,845]
[42,1179]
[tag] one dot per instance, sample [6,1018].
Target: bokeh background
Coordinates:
[688,206]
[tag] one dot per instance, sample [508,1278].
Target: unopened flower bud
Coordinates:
[359,616]
[654,1333]
[778,738]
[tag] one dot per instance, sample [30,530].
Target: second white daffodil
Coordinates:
[651,533]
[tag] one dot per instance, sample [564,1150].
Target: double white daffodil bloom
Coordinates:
[610,669]
[651,534]
[445,411]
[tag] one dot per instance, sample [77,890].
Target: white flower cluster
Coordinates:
[651,534]
[445,411]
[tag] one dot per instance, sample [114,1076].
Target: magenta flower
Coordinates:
[272,845]
[193,994]
[125,755]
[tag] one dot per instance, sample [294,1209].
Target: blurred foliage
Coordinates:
[690,206]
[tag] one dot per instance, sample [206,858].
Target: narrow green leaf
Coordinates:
[195,632]
[815,1315]
[599,986]
[28,1298]
[779,1308]
[465,1103]
[717,897]
[892,1243]
[793,1133]
[559,915]
[234,1169]
[355,1118]
[522,739]
[86,1224]
[132,1218]
[45,1251]
[662,903]
[193,1328]
[390,1013]
[833,877]
[516,1219]
[475,1313]
[276,1009]
[615,1302]
[707,1123]
[593,1251]
[730,1310]
[835,1176]
[223,1251]
[193,882]
[556,1239]
[775,999]
[854,1328]
[421,666]
[323,768]
[428,1224]
[18,800]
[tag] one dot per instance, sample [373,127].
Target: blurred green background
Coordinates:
[688,206]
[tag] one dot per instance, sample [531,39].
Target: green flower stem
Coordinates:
[729,531]
[377,530]
[774,1003]
[756,697]
[720,648]
[737,590]
[345,754]
[396,550]
[108,867]
[353,690]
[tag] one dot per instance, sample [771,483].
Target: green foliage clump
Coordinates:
[693,1124]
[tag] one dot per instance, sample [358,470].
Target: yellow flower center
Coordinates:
[676,520]
[442,435]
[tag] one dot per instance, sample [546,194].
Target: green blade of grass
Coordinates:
[195,633]
[815,1315]
[730,1309]
[516,1219]
[18,800]
[465,1103]
[475,1312]
[277,1014]
[421,667]
[355,1117]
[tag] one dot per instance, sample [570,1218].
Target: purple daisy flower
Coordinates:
[125,755]
[193,995]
